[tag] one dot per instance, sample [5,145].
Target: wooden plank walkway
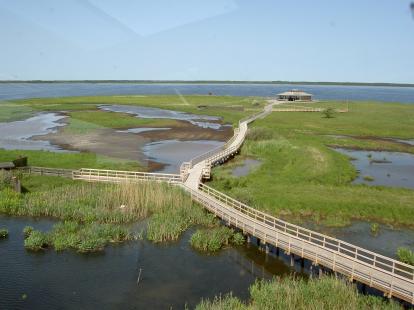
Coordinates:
[383,273]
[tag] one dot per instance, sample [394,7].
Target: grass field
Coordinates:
[13,112]
[69,160]
[230,108]
[302,178]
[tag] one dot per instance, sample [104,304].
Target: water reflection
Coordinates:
[247,166]
[173,152]
[171,274]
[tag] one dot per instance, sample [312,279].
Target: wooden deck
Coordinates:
[383,273]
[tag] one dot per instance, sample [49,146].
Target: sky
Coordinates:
[295,40]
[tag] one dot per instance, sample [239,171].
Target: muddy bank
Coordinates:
[378,143]
[20,135]
[157,149]
[203,121]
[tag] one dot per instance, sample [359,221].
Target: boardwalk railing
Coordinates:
[386,274]
[67,173]
[114,176]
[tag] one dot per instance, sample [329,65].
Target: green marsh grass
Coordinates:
[97,202]
[374,227]
[36,241]
[405,255]
[13,112]
[230,108]
[5,179]
[80,237]
[69,160]
[294,293]
[213,239]
[302,177]
[94,213]
[27,231]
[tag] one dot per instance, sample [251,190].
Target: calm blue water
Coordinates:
[29,90]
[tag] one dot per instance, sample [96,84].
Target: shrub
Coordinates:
[328,112]
[238,239]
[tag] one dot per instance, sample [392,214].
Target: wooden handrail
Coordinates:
[401,286]
[293,230]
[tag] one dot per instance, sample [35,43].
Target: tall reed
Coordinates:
[293,293]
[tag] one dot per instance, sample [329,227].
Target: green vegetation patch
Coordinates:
[302,177]
[229,107]
[13,112]
[69,160]
[405,255]
[293,293]
[72,235]
[93,213]
[212,240]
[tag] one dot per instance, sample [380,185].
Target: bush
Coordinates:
[328,112]
[238,239]
[3,233]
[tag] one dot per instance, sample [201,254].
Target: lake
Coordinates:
[171,274]
[39,90]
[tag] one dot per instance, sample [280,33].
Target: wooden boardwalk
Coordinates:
[383,273]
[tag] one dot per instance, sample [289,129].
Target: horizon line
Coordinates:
[215,82]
